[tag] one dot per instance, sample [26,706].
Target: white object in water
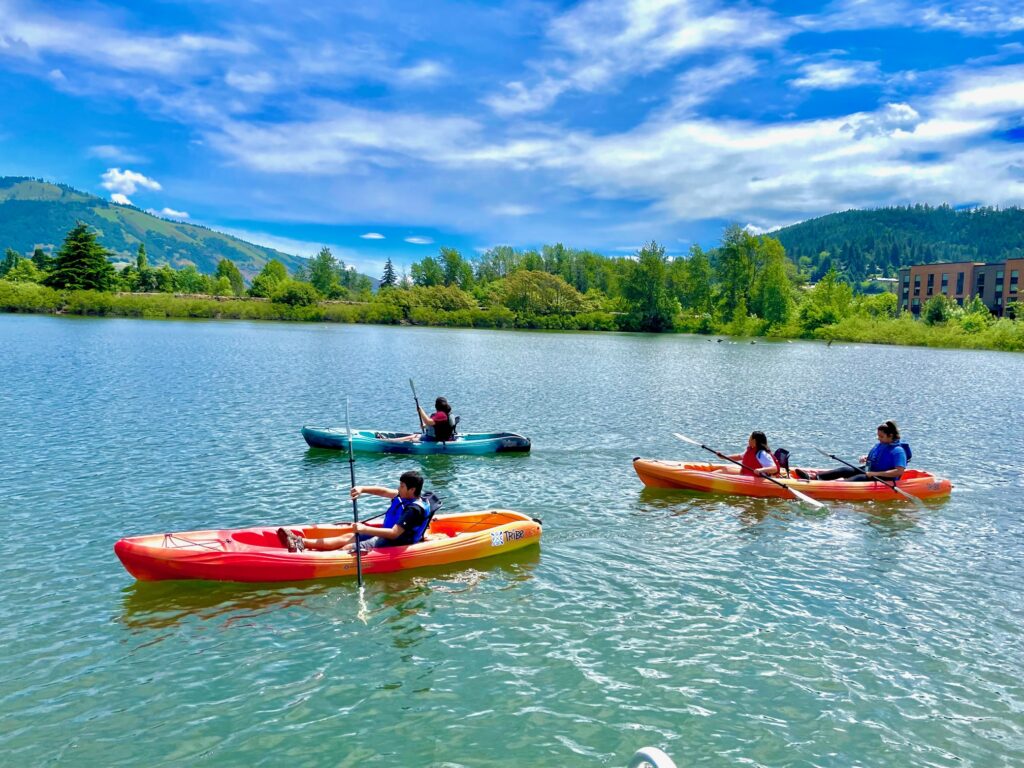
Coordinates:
[651,756]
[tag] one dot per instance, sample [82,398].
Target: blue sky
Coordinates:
[392,128]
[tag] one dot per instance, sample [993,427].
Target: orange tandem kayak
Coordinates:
[726,479]
[256,554]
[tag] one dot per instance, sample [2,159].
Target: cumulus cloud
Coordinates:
[127,182]
[419,240]
[120,199]
[890,118]
[372,236]
[168,213]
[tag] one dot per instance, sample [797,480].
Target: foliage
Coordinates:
[651,308]
[269,278]
[531,293]
[81,262]
[24,271]
[295,294]
[938,309]
[226,268]
[389,279]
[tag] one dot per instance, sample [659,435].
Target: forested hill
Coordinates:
[863,243]
[37,213]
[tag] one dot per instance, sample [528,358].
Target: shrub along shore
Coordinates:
[397,309]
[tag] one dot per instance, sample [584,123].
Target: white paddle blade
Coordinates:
[686,439]
[803,497]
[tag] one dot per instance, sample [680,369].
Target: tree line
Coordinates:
[746,286]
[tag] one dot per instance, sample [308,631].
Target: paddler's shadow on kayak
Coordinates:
[163,604]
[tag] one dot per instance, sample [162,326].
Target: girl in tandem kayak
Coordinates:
[757,459]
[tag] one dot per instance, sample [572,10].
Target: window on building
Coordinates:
[945,283]
[917,285]
[931,280]
[915,306]
[959,283]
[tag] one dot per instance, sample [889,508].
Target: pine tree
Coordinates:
[389,279]
[81,263]
[141,262]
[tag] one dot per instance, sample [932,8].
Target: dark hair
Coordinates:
[762,441]
[412,480]
[891,430]
[442,405]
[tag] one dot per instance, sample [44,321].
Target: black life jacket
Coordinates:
[445,430]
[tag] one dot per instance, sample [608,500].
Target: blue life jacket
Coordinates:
[884,457]
[394,515]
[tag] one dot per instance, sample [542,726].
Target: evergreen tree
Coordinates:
[389,279]
[226,268]
[141,261]
[81,263]
[11,259]
[41,260]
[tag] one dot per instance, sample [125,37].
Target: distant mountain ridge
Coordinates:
[865,242]
[40,213]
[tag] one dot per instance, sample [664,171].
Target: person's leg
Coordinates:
[328,543]
[842,473]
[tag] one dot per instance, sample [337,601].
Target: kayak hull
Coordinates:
[725,479]
[366,441]
[256,554]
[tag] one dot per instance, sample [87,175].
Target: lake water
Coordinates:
[727,631]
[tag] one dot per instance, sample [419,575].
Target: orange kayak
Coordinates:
[256,554]
[726,479]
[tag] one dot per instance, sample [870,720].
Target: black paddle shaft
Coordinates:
[882,480]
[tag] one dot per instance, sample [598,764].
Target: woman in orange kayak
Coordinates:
[757,459]
[887,460]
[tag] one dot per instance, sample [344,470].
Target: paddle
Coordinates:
[883,480]
[355,506]
[418,409]
[796,494]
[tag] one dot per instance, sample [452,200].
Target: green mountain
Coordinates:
[37,213]
[864,243]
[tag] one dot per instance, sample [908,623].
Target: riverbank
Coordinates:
[1002,334]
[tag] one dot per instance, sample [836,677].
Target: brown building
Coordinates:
[997,283]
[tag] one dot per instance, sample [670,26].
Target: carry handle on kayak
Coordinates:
[882,480]
[799,496]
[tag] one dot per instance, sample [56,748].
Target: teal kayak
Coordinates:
[368,441]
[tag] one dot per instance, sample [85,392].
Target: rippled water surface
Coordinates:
[726,631]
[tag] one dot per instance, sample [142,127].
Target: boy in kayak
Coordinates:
[405,522]
[886,460]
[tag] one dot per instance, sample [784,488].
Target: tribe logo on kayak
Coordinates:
[500,537]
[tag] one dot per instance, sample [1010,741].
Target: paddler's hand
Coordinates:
[356,492]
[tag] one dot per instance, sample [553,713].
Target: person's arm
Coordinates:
[900,456]
[376,490]
[425,419]
[767,465]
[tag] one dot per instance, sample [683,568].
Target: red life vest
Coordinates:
[749,459]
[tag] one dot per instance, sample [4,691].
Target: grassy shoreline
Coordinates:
[1002,335]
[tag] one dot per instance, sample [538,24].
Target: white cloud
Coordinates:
[126,182]
[512,209]
[600,42]
[833,75]
[890,118]
[168,213]
[120,199]
[419,240]
[372,236]
[422,72]
[115,153]
[969,17]
[251,82]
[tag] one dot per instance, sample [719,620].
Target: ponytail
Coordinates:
[890,428]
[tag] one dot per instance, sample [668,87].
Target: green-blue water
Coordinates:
[727,631]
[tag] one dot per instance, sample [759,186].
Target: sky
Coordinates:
[389,129]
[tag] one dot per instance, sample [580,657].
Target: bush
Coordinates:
[295,294]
